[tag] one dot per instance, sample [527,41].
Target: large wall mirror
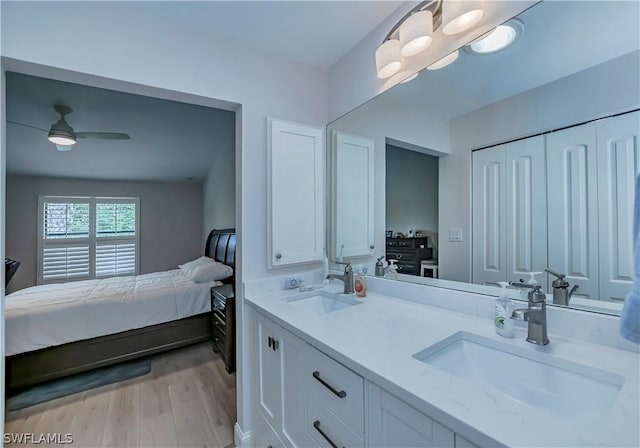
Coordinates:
[503,163]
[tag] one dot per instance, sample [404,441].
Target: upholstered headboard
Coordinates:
[221,246]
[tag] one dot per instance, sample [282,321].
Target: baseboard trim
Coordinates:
[241,439]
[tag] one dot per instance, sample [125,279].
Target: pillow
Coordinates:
[209,272]
[188,267]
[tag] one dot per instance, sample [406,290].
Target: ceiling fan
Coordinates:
[63,135]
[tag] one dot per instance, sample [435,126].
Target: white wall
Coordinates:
[411,191]
[166,238]
[107,41]
[601,90]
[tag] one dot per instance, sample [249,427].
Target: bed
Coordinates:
[96,323]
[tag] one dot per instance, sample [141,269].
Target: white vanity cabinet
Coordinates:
[281,387]
[393,423]
[306,398]
[295,193]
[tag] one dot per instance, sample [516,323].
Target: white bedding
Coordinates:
[49,315]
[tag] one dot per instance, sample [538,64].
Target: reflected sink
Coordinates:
[322,304]
[574,391]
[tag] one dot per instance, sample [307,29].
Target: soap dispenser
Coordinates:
[379,267]
[392,270]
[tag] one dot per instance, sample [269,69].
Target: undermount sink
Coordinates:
[573,391]
[322,304]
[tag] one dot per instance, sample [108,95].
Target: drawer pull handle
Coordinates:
[316,425]
[270,341]
[339,393]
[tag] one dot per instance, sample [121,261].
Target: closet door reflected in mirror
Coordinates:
[572,212]
[352,196]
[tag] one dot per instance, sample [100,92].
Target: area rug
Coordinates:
[78,383]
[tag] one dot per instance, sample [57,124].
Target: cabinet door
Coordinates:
[489,216]
[292,384]
[526,208]
[393,423]
[573,207]
[269,374]
[281,382]
[618,166]
[352,195]
[295,193]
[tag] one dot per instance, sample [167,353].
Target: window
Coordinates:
[83,238]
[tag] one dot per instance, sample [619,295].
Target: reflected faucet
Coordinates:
[535,314]
[561,292]
[347,278]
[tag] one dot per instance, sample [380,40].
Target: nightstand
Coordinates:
[223,319]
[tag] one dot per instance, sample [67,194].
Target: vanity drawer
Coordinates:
[338,387]
[411,256]
[324,427]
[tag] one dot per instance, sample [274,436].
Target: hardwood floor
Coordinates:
[188,400]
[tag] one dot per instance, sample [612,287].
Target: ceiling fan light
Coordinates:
[62,140]
[460,15]
[416,33]
[388,59]
[441,63]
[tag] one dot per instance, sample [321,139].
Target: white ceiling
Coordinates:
[316,33]
[560,38]
[170,141]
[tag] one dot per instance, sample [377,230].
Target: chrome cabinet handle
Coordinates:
[338,393]
[316,425]
[274,344]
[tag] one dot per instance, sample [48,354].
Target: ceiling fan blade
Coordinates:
[64,148]
[104,135]
[28,126]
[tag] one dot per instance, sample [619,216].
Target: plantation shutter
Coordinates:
[83,238]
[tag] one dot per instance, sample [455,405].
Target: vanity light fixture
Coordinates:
[498,39]
[460,15]
[448,59]
[388,59]
[413,34]
[410,78]
[416,33]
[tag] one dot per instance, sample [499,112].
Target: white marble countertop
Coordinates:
[378,338]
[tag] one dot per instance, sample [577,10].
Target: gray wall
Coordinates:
[411,190]
[219,193]
[170,219]
[604,89]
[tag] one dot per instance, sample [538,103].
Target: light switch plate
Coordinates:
[293,281]
[455,234]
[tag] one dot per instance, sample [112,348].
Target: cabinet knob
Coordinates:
[278,256]
[372,247]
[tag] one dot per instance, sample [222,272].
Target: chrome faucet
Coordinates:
[347,278]
[561,292]
[535,314]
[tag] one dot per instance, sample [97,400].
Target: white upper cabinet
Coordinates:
[295,184]
[618,166]
[352,196]
[572,206]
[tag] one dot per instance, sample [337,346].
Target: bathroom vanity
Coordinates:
[332,370]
